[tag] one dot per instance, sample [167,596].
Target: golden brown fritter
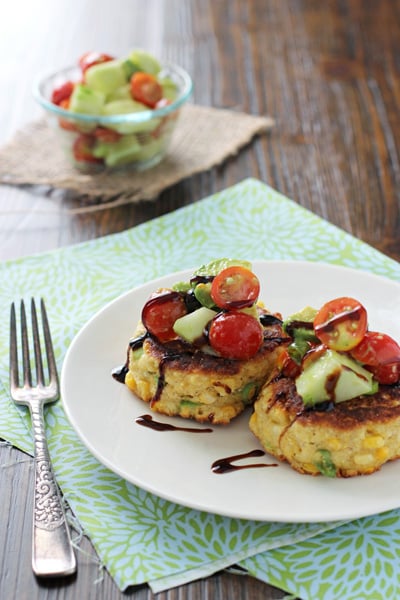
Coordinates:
[349,438]
[182,381]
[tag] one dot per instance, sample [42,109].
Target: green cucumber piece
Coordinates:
[348,378]
[123,106]
[202,292]
[128,106]
[106,77]
[86,101]
[120,93]
[190,327]
[169,87]
[144,61]
[118,153]
[150,149]
[129,68]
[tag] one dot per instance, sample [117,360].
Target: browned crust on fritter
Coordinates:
[178,380]
[193,362]
[360,434]
[380,407]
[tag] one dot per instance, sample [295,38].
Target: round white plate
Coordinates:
[176,465]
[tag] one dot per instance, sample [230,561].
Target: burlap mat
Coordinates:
[204,138]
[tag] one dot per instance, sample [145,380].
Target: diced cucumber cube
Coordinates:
[170,90]
[202,292]
[351,379]
[143,61]
[86,101]
[122,107]
[190,327]
[151,149]
[118,153]
[106,77]
[121,93]
[129,68]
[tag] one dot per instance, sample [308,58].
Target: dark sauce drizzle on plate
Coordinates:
[119,373]
[148,421]
[220,466]
[225,465]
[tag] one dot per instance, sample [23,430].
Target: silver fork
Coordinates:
[52,553]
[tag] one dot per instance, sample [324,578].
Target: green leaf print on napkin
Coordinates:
[356,561]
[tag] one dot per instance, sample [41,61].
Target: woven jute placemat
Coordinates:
[204,138]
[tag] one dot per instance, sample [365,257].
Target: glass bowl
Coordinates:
[135,140]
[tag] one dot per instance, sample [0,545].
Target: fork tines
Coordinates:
[26,350]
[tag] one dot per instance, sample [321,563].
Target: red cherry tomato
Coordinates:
[82,149]
[146,89]
[341,323]
[377,350]
[235,287]
[386,374]
[160,313]
[235,335]
[63,92]
[107,135]
[89,59]
[66,123]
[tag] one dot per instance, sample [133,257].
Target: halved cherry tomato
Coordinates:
[146,89]
[66,123]
[235,287]
[341,323]
[235,335]
[107,135]
[82,149]
[377,349]
[160,313]
[62,92]
[386,374]
[89,59]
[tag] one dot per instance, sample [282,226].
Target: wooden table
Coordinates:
[328,72]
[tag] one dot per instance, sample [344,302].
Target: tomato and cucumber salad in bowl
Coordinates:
[115,112]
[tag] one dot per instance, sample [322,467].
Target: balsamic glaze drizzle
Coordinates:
[269,319]
[225,465]
[119,373]
[148,421]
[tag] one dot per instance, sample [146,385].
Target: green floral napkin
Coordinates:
[138,536]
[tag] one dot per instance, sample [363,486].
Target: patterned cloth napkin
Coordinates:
[140,537]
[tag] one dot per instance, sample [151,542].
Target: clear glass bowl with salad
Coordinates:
[113,113]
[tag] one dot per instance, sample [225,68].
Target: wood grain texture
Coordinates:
[327,72]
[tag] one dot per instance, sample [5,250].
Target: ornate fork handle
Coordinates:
[52,552]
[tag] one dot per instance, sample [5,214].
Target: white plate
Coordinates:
[176,465]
